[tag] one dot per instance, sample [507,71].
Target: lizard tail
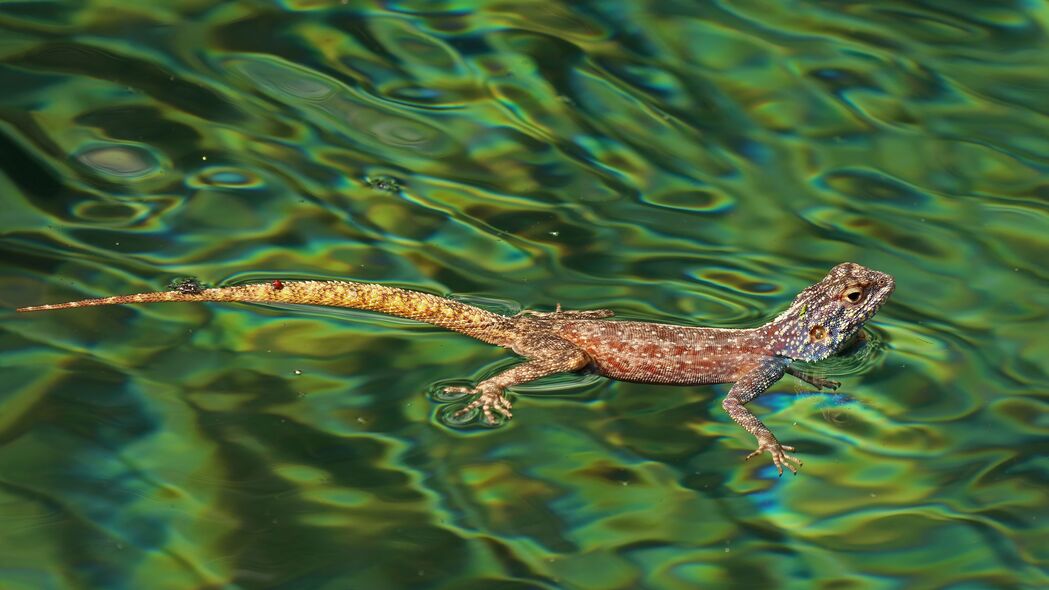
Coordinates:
[424,307]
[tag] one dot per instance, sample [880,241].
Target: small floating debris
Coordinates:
[186,286]
[384,183]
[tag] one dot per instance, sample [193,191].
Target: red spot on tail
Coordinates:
[278,285]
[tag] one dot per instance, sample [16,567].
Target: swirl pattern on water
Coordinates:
[687,162]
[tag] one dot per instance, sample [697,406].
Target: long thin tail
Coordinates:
[424,307]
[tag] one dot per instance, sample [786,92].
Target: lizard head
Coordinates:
[826,315]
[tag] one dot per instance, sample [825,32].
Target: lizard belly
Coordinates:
[673,365]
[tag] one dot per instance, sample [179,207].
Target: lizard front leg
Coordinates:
[817,382]
[749,386]
[548,355]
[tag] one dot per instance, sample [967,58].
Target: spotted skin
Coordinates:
[819,322]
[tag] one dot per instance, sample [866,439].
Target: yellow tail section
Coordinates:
[424,307]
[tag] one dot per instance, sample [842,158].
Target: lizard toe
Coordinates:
[469,407]
[458,389]
[489,401]
[779,457]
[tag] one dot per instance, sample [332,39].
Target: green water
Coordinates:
[693,162]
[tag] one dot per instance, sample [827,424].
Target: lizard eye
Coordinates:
[852,294]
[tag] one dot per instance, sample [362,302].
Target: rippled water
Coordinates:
[695,162]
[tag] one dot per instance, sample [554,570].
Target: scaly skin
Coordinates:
[818,323]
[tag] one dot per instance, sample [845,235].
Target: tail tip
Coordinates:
[35,308]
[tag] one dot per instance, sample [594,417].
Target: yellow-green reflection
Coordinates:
[695,162]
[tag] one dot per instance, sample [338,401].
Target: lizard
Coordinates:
[819,322]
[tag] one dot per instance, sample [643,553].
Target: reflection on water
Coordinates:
[118,160]
[688,162]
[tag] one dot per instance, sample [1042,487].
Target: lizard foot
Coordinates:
[817,382]
[487,399]
[779,457]
[822,383]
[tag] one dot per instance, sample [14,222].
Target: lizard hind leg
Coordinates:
[547,355]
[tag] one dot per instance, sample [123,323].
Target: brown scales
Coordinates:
[818,323]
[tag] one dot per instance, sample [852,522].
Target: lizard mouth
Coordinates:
[885,285]
[886,290]
[890,286]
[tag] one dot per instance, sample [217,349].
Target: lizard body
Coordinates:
[819,322]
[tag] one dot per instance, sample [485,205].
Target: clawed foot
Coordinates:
[584,314]
[487,399]
[779,457]
[818,382]
[822,383]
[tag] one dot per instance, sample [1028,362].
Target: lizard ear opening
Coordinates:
[852,294]
[817,333]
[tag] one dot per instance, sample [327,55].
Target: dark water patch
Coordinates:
[138,123]
[692,163]
[25,168]
[868,184]
[153,79]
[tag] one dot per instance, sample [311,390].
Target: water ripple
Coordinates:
[693,163]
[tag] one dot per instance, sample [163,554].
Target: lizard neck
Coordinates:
[776,339]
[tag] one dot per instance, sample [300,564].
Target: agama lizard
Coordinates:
[818,323]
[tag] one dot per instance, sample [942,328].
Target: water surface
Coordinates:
[694,162]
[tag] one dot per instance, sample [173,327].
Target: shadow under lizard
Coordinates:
[818,323]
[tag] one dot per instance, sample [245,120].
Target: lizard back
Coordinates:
[661,353]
